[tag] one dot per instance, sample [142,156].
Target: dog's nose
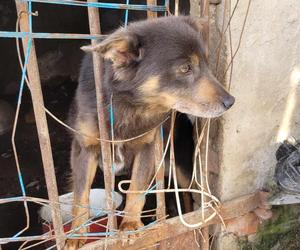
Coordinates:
[228,102]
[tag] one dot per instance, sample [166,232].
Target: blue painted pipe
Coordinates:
[103,5]
[12,34]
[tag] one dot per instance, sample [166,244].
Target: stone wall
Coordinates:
[266,84]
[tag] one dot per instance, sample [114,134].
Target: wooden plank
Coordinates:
[185,241]
[173,227]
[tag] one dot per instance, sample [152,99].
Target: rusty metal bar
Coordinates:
[159,147]
[24,238]
[95,29]
[140,7]
[42,127]
[176,8]
[39,35]
[160,197]
[204,13]
[151,14]
[204,8]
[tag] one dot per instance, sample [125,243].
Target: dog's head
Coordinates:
[162,64]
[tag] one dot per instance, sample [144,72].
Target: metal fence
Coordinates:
[30,69]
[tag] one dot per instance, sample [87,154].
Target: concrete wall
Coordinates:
[266,84]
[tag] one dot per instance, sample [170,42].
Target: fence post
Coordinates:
[42,126]
[95,29]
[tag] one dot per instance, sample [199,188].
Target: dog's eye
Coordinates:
[185,68]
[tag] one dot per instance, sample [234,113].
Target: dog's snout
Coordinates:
[228,101]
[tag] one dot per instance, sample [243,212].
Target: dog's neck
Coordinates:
[132,119]
[132,116]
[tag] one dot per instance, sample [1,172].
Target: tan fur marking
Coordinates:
[207,91]
[121,45]
[161,101]
[168,99]
[80,205]
[150,85]
[195,59]
[89,129]
[148,138]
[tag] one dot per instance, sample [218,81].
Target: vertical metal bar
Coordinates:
[160,197]
[151,14]
[159,145]
[176,8]
[204,5]
[42,126]
[126,14]
[94,22]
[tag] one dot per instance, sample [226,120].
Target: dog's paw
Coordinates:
[130,230]
[74,244]
[131,226]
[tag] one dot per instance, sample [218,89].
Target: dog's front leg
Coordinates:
[142,172]
[84,161]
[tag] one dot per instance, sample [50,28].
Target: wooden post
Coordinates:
[95,29]
[42,126]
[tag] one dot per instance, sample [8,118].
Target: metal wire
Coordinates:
[20,177]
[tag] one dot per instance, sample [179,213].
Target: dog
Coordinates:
[150,68]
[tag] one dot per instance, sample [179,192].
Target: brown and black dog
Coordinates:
[150,68]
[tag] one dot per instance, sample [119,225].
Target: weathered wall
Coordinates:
[266,84]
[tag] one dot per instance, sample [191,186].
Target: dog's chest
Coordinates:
[119,162]
[123,153]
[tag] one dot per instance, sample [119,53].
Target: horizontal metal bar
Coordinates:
[103,5]
[25,238]
[12,34]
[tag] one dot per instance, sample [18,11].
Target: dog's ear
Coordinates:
[121,47]
[197,23]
